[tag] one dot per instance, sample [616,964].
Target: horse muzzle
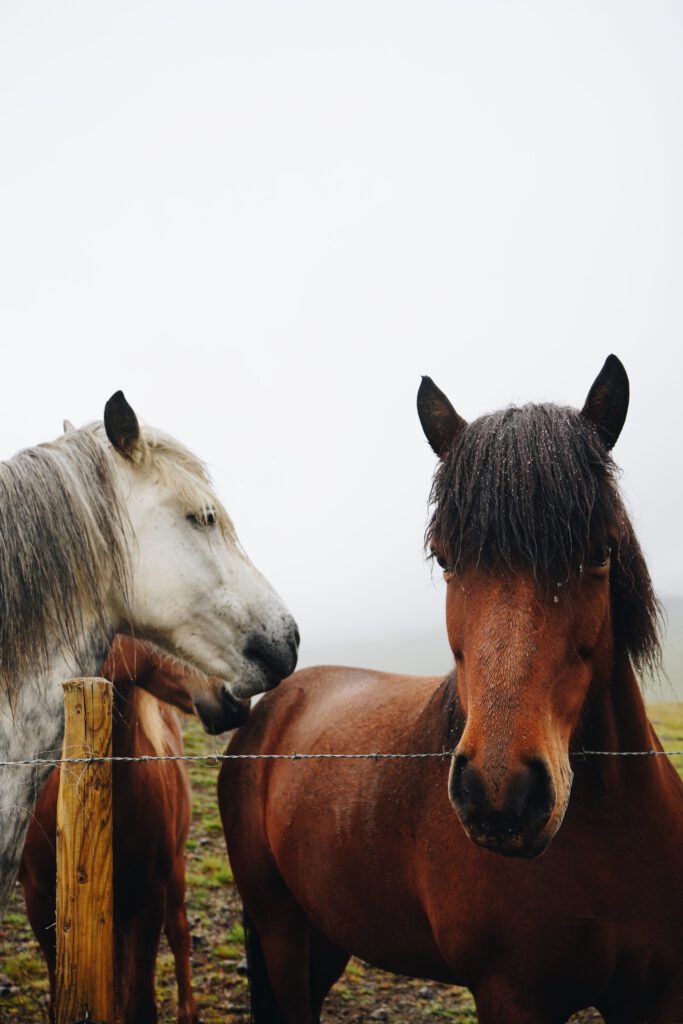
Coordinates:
[221,715]
[517,817]
[270,658]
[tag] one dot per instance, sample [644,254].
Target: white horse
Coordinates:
[113,528]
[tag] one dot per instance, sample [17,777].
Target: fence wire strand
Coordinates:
[370,756]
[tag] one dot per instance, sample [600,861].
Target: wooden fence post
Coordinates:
[85,930]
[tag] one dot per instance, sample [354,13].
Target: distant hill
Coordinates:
[427,653]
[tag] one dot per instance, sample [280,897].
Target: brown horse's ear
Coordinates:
[122,427]
[439,419]
[607,402]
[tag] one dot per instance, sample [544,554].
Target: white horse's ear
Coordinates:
[68,427]
[123,429]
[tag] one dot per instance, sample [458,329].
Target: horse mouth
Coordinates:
[508,837]
[517,846]
[230,714]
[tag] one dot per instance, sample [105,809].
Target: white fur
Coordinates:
[193,590]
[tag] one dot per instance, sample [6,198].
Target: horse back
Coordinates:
[340,707]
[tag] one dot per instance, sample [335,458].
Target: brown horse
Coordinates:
[151,821]
[549,604]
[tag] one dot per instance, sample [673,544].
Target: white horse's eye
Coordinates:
[207,517]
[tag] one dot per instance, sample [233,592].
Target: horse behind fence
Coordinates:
[151,803]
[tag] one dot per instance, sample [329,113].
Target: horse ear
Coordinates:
[607,402]
[68,427]
[122,427]
[439,419]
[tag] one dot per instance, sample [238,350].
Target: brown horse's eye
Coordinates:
[601,556]
[441,562]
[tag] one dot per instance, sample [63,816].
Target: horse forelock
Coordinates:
[61,547]
[534,488]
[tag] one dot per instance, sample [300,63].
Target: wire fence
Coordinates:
[369,756]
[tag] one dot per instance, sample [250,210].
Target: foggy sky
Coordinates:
[264,221]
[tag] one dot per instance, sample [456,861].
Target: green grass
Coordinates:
[668,722]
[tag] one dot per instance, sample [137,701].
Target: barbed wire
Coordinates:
[369,756]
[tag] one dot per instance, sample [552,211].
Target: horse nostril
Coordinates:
[466,788]
[540,796]
[460,763]
[275,659]
[530,797]
[235,710]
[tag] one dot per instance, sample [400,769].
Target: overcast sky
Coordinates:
[264,221]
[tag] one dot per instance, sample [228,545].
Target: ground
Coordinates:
[363,995]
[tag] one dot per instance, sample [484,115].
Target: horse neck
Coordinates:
[32,727]
[442,721]
[140,725]
[36,711]
[616,720]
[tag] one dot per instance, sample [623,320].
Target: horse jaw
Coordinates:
[195,594]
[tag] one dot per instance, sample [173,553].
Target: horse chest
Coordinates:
[578,921]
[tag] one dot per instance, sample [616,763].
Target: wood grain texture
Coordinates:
[85,933]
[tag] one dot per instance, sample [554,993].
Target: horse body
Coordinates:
[151,811]
[109,529]
[433,867]
[386,872]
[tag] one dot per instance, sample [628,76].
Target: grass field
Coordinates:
[363,995]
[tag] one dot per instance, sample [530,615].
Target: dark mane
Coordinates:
[534,487]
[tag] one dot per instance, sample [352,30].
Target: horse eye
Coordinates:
[441,562]
[601,557]
[207,518]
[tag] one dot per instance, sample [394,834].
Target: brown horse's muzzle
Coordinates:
[511,817]
[220,714]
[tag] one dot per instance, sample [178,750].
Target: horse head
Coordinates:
[135,662]
[545,585]
[191,588]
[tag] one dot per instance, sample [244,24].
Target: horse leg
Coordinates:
[278,963]
[178,935]
[41,911]
[328,963]
[140,936]
[499,1002]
